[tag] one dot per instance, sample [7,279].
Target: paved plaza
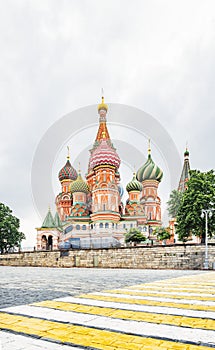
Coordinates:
[45,308]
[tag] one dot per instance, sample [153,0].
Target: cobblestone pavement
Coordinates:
[23,285]
[120,309]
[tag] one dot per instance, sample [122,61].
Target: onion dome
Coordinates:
[79,185]
[134,185]
[121,190]
[149,170]
[104,154]
[102,105]
[67,172]
[186,153]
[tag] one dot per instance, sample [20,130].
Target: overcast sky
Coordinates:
[158,56]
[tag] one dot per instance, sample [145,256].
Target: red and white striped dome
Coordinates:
[104,154]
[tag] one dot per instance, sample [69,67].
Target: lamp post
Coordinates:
[207,213]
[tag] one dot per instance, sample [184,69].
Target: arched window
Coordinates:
[50,242]
[101,225]
[106,225]
[84,227]
[78,227]
[44,243]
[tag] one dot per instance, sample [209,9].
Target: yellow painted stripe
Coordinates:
[148,302]
[175,320]
[172,296]
[203,280]
[84,336]
[169,289]
[191,284]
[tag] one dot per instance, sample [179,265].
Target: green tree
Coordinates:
[174,203]
[199,195]
[10,237]
[162,233]
[134,235]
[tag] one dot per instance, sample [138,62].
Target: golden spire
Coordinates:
[149,147]
[68,151]
[103,105]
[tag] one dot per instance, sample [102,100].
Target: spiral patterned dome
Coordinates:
[67,172]
[149,171]
[79,185]
[104,154]
[134,185]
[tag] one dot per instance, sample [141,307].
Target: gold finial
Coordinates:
[103,134]
[149,146]
[102,105]
[68,155]
[79,168]
[186,145]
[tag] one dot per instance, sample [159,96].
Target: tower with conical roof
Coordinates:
[48,233]
[150,175]
[182,186]
[103,176]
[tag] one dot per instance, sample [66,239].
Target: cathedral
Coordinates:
[90,212]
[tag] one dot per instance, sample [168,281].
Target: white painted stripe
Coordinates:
[101,322]
[142,308]
[171,293]
[51,314]
[160,299]
[10,341]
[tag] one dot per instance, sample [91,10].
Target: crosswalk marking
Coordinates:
[94,326]
[157,315]
[150,301]
[143,308]
[182,321]
[162,295]
[169,292]
[173,289]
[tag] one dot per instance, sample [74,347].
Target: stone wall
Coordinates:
[150,257]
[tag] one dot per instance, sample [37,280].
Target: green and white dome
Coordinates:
[79,185]
[149,171]
[134,185]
